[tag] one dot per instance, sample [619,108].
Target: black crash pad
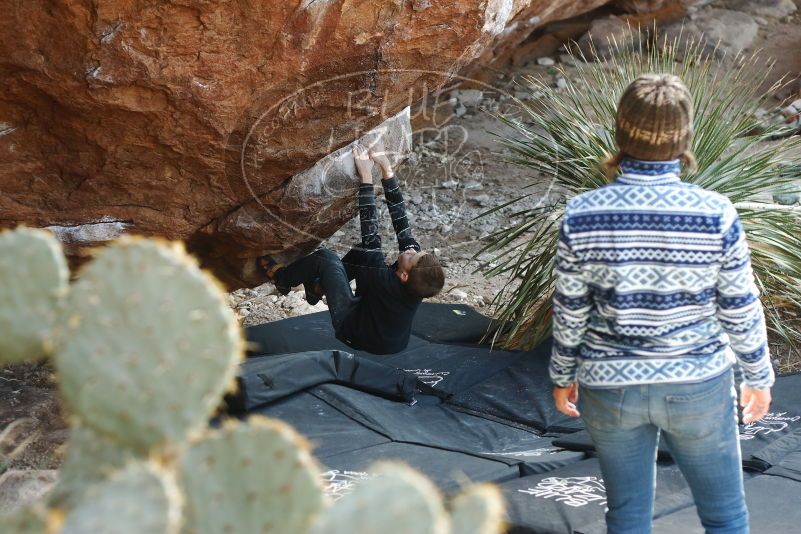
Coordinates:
[450,323]
[773,507]
[520,394]
[778,433]
[573,499]
[452,368]
[264,379]
[447,469]
[329,431]
[436,425]
[303,333]
[788,467]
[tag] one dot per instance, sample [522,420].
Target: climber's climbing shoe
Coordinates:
[270,267]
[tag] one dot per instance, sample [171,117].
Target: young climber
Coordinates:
[378,318]
[654,299]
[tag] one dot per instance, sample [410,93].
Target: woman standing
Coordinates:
[655,300]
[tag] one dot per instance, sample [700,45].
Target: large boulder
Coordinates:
[190,120]
[529,15]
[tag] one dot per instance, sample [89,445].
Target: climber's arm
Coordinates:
[368,216]
[392,192]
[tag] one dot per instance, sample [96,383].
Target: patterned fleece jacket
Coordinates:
[654,285]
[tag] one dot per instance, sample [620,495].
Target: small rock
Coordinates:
[761,21]
[786,199]
[567,59]
[599,41]
[481,200]
[461,111]
[720,31]
[243,312]
[479,300]
[416,198]
[468,97]
[764,8]
[792,113]
[272,299]
[546,62]
[450,184]
[473,185]
[561,83]
[458,294]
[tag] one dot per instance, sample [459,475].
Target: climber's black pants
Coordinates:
[323,265]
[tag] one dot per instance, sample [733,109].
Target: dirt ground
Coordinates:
[456,171]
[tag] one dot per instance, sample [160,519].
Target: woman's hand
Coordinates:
[755,403]
[566,398]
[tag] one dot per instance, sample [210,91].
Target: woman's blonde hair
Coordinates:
[654,122]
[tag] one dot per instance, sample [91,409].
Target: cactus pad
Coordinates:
[31,520]
[255,477]
[479,510]
[90,459]
[149,344]
[34,278]
[399,500]
[140,498]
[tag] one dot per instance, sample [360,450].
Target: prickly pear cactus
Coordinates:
[145,348]
[140,498]
[399,500]
[479,510]
[246,478]
[31,520]
[149,345]
[91,458]
[33,281]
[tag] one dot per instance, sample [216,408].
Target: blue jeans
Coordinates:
[699,422]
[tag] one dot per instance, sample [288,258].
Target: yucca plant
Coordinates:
[570,133]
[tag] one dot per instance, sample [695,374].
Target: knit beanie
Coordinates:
[655,118]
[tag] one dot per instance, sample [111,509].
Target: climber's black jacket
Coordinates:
[381,322]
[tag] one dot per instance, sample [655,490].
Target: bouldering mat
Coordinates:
[520,394]
[779,432]
[573,499]
[788,467]
[329,431]
[436,425]
[450,323]
[447,469]
[773,507]
[303,333]
[263,379]
[451,369]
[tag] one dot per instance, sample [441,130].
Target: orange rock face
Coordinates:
[176,119]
